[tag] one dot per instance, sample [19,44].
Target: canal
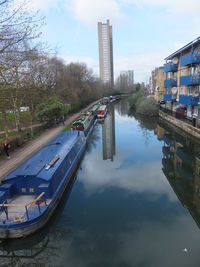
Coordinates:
[135,201]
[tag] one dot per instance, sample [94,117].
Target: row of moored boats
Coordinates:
[30,193]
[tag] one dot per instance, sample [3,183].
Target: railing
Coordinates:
[190,80]
[4,207]
[170,67]
[170,83]
[179,115]
[190,58]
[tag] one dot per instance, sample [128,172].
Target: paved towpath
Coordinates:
[24,152]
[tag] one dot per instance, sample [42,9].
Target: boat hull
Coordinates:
[32,227]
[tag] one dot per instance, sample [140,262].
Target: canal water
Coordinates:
[135,201]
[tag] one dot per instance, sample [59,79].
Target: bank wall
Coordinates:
[180,124]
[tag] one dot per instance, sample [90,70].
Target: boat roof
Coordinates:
[35,165]
[102,107]
[176,53]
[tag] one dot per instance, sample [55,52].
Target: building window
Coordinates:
[190,91]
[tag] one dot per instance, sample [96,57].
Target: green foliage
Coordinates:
[50,111]
[147,107]
[133,101]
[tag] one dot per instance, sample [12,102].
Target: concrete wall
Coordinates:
[195,132]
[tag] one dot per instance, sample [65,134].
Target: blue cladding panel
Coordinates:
[46,189]
[170,67]
[170,83]
[167,97]
[189,59]
[189,80]
[188,100]
[8,189]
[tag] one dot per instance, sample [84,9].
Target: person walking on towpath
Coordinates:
[6,147]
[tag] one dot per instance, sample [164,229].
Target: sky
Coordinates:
[144,31]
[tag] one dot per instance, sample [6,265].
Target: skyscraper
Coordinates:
[127,76]
[106,52]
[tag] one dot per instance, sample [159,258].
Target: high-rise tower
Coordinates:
[106,52]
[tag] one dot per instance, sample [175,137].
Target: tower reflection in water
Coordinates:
[181,166]
[108,135]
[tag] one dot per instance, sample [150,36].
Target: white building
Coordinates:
[106,52]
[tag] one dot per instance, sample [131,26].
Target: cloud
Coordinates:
[37,4]
[142,64]
[91,11]
[137,178]
[177,6]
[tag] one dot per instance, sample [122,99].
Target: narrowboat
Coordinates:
[94,110]
[30,194]
[84,123]
[102,111]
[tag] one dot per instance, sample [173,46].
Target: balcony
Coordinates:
[170,67]
[189,59]
[169,97]
[189,100]
[190,80]
[170,83]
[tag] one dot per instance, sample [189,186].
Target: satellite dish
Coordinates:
[174,90]
[175,60]
[157,88]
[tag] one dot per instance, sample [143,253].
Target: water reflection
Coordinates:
[108,135]
[181,166]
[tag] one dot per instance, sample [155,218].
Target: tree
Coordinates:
[50,111]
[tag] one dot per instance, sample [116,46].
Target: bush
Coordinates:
[147,107]
[50,110]
[135,99]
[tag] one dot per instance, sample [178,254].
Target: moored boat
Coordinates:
[84,122]
[30,193]
[102,111]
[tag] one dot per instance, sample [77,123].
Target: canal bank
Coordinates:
[24,152]
[188,128]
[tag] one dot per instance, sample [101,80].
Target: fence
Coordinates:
[180,116]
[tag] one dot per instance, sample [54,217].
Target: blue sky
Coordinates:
[144,31]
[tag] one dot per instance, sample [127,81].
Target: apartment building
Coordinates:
[182,80]
[127,77]
[106,52]
[157,83]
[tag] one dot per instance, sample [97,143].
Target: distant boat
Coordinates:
[84,122]
[30,193]
[102,111]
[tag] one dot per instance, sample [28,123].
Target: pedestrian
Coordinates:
[6,147]
[63,120]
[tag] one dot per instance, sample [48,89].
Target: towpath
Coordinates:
[24,152]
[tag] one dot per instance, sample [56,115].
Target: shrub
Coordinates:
[135,99]
[147,107]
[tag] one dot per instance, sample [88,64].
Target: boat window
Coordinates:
[31,190]
[23,190]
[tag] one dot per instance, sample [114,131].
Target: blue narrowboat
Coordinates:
[30,193]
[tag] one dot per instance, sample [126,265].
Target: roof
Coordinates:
[35,165]
[197,40]
[103,107]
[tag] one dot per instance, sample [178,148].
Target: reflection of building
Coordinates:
[105,52]
[108,135]
[182,169]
